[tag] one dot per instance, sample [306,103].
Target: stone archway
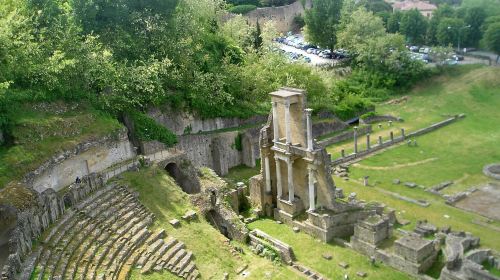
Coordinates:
[173,170]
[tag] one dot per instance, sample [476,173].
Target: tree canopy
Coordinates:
[322,22]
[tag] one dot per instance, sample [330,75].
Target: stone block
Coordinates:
[327,256]
[189,215]
[296,229]
[344,265]
[410,185]
[175,223]
[361,274]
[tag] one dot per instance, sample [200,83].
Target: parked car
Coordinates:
[457,57]
[424,50]
[450,61]
[310,50]
[414,48]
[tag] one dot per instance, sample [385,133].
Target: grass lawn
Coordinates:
[42,130]
[456,152]
[241,173]
[159,193]
[309,251]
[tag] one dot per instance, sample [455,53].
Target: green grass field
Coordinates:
[159,193]
[456,152]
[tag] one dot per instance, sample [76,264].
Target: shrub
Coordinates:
[242,9]
[148,129]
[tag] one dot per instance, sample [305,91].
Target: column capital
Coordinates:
[274,103]
[308,111]
[355,128]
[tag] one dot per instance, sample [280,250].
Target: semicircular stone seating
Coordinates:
[105,236]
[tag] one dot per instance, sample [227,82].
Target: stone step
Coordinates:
[187,270]
[60,249]
[170,253]
[194,275]
[119,212]
[175,259]
[107,218]
[150,250]
[179,267]
[29,264]
[132,245]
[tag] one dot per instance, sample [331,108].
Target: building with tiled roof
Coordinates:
[425,8]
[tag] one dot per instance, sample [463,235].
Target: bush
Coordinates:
[242,9]
[147,129]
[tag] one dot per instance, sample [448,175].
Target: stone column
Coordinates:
[368,141]
[291,190]
[355,139]
[392,136]
[342,153]
[380,142]
[403,133]
[275,121]
[309,130]
[279,187]
[287,122]
[268,173]
[312,194]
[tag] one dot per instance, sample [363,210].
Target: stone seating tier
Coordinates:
[103,237]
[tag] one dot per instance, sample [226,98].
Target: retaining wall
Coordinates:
[282,16]
[86,158]
[363,130]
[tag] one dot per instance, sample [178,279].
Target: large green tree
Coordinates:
[443,11]
[474,18]
[492,38]
[394,21]
[451,31]
[413,26]
[322,22]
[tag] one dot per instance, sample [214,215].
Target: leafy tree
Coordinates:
[443,11]
[257,37]
[360,27]
[322,22]
[381,61]
[492,38]
[413,26]
[450,31]
[474,18]
[393,23]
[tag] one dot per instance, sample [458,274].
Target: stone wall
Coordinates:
[182,123]
[217,151]
[282,16]
[259,237]
[86,158]
[390,142]
[379,118]
[348,135]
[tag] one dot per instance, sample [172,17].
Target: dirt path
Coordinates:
[394,166]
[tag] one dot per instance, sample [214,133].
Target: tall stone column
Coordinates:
[309,130]
[368,141]
[392,136]
[355,139]
[287,123]
[268,173]
[291,190]
[312,194]
[380,142]
[403,133]
[279,187]
[275,121]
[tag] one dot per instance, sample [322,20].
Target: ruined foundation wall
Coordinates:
[85,158]
[282,16]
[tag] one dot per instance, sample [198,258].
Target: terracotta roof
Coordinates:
[419,5]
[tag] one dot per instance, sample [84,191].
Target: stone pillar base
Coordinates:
[294,208]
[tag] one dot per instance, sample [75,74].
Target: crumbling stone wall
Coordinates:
[282,16]
[86,158]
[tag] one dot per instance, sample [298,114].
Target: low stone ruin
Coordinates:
[463,261]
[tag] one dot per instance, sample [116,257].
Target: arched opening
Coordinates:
[181,180]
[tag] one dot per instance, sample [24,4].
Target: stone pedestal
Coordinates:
[294,208]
